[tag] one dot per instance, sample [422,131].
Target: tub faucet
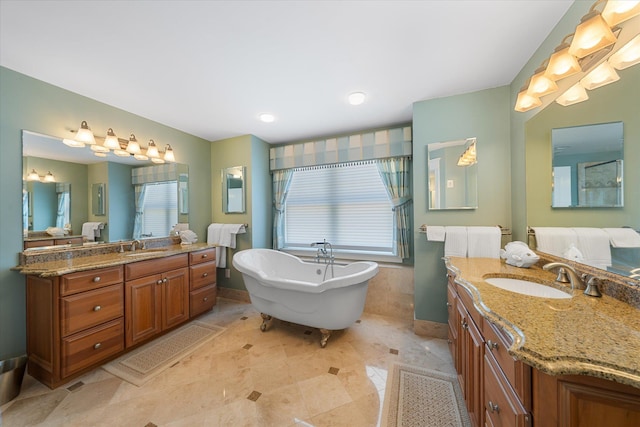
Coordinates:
[565,271]
[322,251]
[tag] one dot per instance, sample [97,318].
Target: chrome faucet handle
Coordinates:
[592,287]
[574,277]
[562,276]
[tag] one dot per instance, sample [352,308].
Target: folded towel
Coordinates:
[436,233]
[91,230]
[223,235]
[623,237]
[555,240]
[594,245]
[455,242]
[483,242]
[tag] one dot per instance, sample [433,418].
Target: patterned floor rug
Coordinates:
[142,364]
[421,397]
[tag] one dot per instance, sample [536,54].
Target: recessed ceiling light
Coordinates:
[267,117]
[357,98]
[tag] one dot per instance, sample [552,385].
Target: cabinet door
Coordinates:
[143,299]
[470,346]
[175,297]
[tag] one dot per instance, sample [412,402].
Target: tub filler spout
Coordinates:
[284,287]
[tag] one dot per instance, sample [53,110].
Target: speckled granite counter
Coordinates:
[99,260]
[581,335]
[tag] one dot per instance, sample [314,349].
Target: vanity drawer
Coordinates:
[502,407]
[69,241]
[202,300]
[517,373]
[205,255]
[467,300]
[202,275]
[153,266]
[91,308]
[86,280]
[83,349]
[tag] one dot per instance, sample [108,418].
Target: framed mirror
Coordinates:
[587,166]
[453,174]
[233,190]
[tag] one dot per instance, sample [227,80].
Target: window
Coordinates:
[346,204]
[160,212]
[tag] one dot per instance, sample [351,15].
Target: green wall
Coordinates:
[483,115]
[27,103]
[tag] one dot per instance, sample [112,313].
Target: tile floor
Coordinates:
[245,377]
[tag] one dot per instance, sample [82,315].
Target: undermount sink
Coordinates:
[526,287]
[145,252]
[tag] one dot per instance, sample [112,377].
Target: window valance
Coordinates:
[157,173]
[380,144]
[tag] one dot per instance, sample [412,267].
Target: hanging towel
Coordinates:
[623,237]
[91,230]
[435,233]
[483,242]
[594,245]
[555,240]
[455,242]
[223,235]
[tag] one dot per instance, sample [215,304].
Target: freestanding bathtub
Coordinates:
[285,287]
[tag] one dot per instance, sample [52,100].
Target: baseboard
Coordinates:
[426,328]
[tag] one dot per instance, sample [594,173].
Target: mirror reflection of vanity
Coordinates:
[453,174]
[101,190]
[614,103]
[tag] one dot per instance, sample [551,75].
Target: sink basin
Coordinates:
[526,287]
[145,252]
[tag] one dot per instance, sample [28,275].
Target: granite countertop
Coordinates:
[91,262]
[581,335]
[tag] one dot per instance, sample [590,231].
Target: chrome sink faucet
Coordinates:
[136,243]
[568,274]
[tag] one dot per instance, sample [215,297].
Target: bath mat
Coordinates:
[144,363]
[417,396]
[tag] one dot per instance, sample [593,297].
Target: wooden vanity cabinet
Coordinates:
[156,296]
[52,242]
[74,322]
[203,290]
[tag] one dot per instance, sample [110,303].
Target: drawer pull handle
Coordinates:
[97,346]
[205,274]
[448,304]
[205,298]
[159,282]
[96,279]
[97,308]
[464,325]
[204,255]
[492,345]
[493,407]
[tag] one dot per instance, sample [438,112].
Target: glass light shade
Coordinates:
[591,35]
[157,160]
[526,102]
[152,150]
[84,134]
[133,146]
[602,75]
[49,177]
[33,176]
[573,95]
[73,143]
[562,64]
[140,157]
[100,154]
[616,11]
[628,55]
[99,148]
[541,85]
[111,140]
[168,154]
[121,153]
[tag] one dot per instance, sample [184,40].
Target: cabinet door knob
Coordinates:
[493,407]
[159,282]
[464,325]
[204,255]
[205,274]
[96,279]
[205,298]
[97,308]
[164,280]
[492,345]
[448,304]
[97,346]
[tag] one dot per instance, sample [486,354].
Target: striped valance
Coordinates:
[156,173]
[380,144]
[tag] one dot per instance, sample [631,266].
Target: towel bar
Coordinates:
[503,230]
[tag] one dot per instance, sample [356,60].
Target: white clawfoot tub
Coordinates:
[285,287]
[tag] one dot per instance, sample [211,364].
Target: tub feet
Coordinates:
[265,321]
[325,336]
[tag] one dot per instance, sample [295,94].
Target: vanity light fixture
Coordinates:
[468,156]
[84,134]
[526,102]
[111,140]
[541,85]
[152,150]
[600,76]
[133,146]
[616,11]
[573,95]
[356,98]
[168,154]
[49,177]
[561,63]
[628,55]
[33,176]
[592,34]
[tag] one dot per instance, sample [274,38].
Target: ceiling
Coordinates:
[209,68]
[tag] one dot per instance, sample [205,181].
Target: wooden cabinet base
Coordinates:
[202,300]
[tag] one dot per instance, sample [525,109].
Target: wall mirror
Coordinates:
[164,202]
[233,189]
[587,166]
[453,174]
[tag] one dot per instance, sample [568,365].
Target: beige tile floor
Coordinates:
[245,377]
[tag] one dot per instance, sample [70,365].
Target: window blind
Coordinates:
[160,211]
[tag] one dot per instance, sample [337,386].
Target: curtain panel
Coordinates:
[396,176]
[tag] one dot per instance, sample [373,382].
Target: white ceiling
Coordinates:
[210,67]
